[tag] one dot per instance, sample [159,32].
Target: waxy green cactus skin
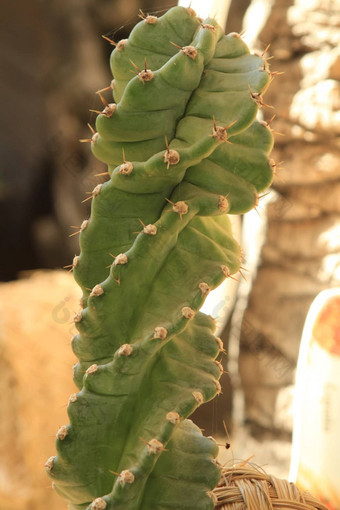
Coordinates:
[158,240]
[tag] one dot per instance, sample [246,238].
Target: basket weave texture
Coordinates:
[246,487]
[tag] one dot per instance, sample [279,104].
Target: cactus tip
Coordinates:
[218,387]
[98,504]
[121,44]
[204,288]
[92,369]
[62,433]
[126,476]
[78,316]
[160,333]
[150,229]
[173,417]
[223,204]
[151,20]
[126,168]
[208,27]
[180,207]
[125,350]
[155,446]
[219,364]
[97,291]
[188,312]
[72,398]
[198,397]
[50,463]
[191,11]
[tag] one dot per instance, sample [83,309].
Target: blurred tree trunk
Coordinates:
[301,254]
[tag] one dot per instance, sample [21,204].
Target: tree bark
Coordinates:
[301,254]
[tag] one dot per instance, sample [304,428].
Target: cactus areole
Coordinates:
[183,149]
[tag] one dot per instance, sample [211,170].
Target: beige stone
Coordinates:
[35,384]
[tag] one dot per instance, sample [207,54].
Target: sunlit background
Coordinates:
[53,59]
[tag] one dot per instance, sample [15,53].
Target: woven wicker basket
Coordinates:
[247,487]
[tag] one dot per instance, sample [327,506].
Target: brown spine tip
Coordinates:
[125,350]
[126,168]
[126,477]
[173,417]
[188,312]
[121,44]
[204,288]
[120,259]
[150,229]
[180,208]
[223,204]
[62,433]
[73,398]
[78,317]
[160,332]
[190,51]
[97,291]
[154,446]
[92,369]
[50,463]
[198,397]
[98,504]
[171,157]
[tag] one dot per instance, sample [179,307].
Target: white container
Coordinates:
[315,464]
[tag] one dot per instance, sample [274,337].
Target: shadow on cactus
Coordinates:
[183,149]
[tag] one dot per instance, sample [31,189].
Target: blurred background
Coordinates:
[52,62]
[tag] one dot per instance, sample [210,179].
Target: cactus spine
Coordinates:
[183,148]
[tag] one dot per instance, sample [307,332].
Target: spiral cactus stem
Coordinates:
[147,355]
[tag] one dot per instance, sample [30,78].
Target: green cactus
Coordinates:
[157,242]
